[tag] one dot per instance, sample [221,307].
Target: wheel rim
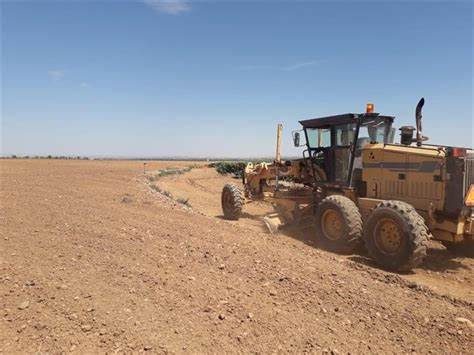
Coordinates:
[388,236]
[332,225]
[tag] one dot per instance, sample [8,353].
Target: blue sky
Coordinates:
[206,78]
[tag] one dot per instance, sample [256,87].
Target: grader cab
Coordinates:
[356,186]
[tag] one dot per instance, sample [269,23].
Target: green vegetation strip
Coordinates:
[235,168]
[168,172]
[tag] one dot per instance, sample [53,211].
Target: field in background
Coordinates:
[93,258]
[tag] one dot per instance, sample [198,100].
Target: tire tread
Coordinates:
[234,210]
[418,234]
[353,219]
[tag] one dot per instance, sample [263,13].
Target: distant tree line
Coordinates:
[14,156]
[223,160]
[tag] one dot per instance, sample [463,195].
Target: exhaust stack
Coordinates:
[407,131]
[418,116]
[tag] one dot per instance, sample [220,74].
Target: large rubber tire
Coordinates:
[232,200]
[345,234]
[410,249]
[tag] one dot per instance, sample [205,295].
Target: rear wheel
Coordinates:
[396,236]
[339,224]
[232,201]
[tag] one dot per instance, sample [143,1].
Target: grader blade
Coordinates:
[273,222]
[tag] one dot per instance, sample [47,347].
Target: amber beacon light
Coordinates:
[369,108]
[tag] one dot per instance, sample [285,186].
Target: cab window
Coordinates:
[375,132]
[319,137]
[345,134]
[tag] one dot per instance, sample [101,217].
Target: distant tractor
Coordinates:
[357,186]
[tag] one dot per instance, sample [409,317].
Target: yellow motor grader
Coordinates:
[357,186]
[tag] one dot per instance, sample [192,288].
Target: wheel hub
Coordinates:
[388,236]
[332,225]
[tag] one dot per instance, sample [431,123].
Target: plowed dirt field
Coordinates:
[93,259]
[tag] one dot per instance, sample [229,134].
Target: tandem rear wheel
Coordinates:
[338,224]
[394,234]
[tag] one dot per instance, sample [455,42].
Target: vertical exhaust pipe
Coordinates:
[418,116]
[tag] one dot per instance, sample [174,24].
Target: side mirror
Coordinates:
[296,139]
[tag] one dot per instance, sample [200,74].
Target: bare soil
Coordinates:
[92,259]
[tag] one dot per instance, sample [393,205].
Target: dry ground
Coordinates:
[93,260]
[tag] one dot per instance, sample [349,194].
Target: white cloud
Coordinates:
[292,67]
[56,74]
[301,65]
[173,7]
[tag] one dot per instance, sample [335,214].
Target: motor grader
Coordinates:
[357,186]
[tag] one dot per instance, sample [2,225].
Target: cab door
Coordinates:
[342,139]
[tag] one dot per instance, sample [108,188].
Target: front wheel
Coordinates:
[339,224]
[396,236]
[232,201]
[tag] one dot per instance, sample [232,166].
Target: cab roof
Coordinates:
[346,118]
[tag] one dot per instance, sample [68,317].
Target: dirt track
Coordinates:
[92,259]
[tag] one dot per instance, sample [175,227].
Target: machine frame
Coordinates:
[419,192]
